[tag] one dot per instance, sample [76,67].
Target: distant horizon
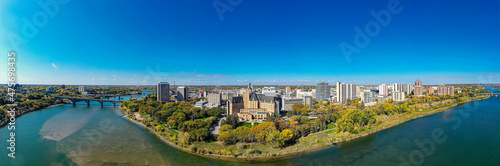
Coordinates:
[263,42]
[247,84]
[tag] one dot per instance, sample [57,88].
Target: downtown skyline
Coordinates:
[264,43]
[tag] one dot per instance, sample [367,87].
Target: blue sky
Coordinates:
[263,42]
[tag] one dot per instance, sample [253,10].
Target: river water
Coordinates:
[79,135]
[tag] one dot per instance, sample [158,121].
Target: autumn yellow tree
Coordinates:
[263,130]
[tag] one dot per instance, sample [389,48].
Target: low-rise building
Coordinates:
[252,114]
[50,90]
[287,103]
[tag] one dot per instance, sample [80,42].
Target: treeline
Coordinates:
[25,103]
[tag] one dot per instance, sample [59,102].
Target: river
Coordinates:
[80,135]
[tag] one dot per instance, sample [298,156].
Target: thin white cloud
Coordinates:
[54,65]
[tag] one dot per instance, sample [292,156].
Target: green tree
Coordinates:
[226,137]
[225,127]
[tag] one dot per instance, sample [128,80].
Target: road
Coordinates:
[217,127]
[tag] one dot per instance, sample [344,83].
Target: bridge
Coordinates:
[493,94]
[87,100]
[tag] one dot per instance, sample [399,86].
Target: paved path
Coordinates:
[217,126]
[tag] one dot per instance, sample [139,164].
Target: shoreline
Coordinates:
[406,118]
[20,115]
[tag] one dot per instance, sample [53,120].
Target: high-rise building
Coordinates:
[163,92]
[288,90]
[382,90]
[215,98]
[345,91]
[407,88]
[368,97]
[444,90]
[398,96]
[430,91]
[417,89]
[82,89]
[308,100]
[396,87]
[322,91]
[269,91]
[182,93]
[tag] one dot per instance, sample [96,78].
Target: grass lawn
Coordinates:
[249,124]
[172,131]
[330,126]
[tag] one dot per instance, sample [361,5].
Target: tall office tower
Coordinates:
[322,91]
[398,96]
[287,89]
[182,93]
[382,90]
[345,91]
[417,89]
[82,89]
[163,92]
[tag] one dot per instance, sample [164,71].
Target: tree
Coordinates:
[275,139]
[297,107]
[263,130]
[295,118]
[226,137]
[202,134]
[243,134]
[304,119]
[184,138]
[226,127]
[287,134]
[232,120]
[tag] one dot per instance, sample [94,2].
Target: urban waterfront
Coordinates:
[467,135]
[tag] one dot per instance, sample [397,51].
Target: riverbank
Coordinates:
[24,113]
[311,143]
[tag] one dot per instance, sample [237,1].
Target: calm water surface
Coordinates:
[80,135]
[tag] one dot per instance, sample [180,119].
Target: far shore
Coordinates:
[350,137]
